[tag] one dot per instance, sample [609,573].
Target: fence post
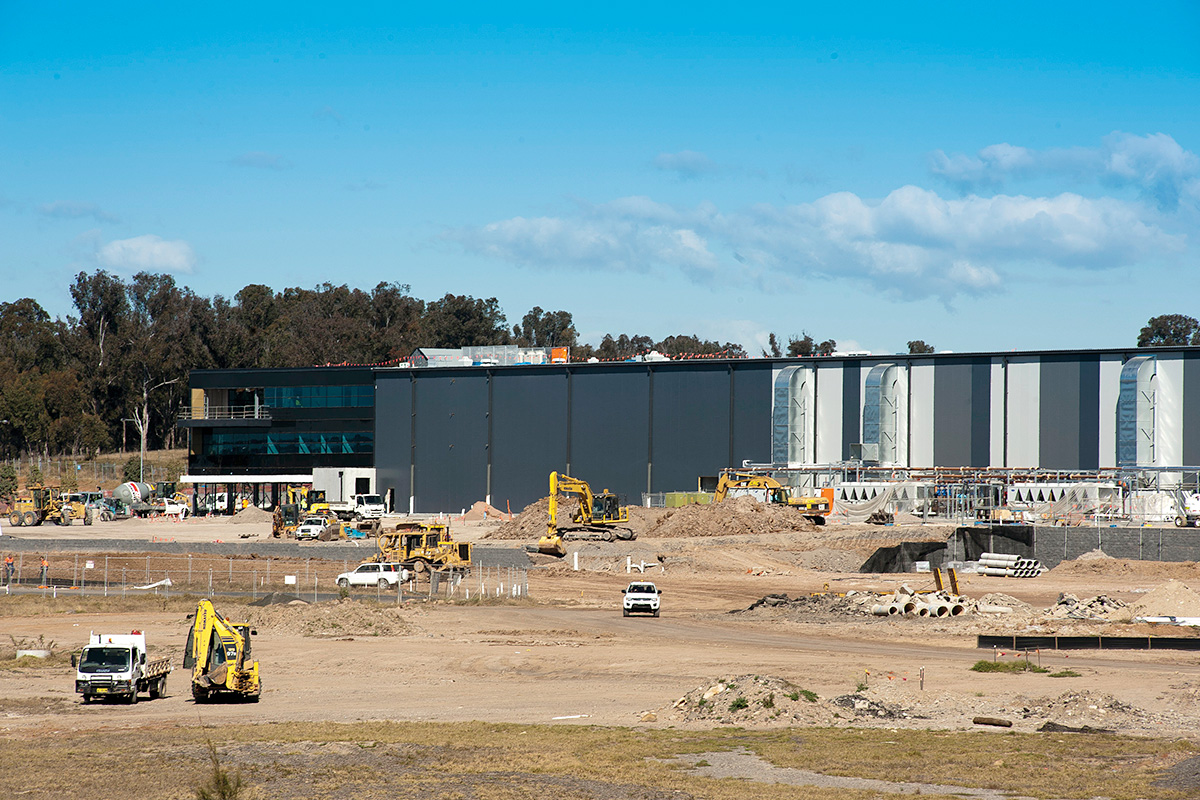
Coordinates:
[147,569]
[189,570]
[231,572]
[124,583]
[106,576]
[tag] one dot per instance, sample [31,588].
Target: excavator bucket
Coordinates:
[552,546]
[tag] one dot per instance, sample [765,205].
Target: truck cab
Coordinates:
[114,665]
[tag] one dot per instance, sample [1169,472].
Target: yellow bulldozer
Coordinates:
[766,489]
[600,516]
[41,503]
[218,654]
[424,547]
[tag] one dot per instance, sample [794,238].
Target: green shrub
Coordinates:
[768,701]
[1006,666]
[739,703]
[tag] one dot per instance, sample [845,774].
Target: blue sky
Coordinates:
[989,178]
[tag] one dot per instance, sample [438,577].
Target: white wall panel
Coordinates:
[1110,391]
[1168,421]
[996,432]
[829,413]
[921,414]
[1024,411]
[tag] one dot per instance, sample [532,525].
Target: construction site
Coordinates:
[979,604]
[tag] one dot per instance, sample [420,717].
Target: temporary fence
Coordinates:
[207,574]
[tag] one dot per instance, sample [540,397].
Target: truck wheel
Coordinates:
[157,688]
[656,612]
[29,519]
[15,519]
[1180,522]
[624,612]
[66,518]
[343,583]
[133,697]
[199,694]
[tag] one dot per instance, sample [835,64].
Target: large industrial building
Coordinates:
[436,439]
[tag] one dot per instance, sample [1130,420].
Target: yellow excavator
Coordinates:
[424,546]
[218,654]
[768,490]
[598,518]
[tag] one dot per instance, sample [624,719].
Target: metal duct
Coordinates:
[1136,412]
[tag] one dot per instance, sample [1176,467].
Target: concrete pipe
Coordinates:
[984,608]
[881,609]
[922,610]
[939,609]
[908,606]
[957,609]
[894,610]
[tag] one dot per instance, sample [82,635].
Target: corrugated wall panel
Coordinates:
[996,413]
[610,428]
[921,409]
[1191,409]
[752,395]
[451,452]
[852,392]
[691,430]
[529,434]
[1024,409]
[1169,422]
[1110,391]
[962,401]
[1059,413]
[829,413]
[393,437]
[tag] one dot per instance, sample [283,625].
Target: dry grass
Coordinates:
[492,761]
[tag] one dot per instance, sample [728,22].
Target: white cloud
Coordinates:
[260,160]
[913,243]
[76,211]
[685,164]
[147,252]
[1156,165]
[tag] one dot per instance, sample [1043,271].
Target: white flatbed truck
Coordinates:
[115,665]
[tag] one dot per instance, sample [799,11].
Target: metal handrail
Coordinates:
[227,412]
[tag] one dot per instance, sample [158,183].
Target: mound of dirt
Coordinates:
[1111,567]
[250,514]
[1171,599]
[481,511]
[531,522]
[1095,555]
[760,700]
[740,516]
[333,619]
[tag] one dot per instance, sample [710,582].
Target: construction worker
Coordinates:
[8,568]
[45,572]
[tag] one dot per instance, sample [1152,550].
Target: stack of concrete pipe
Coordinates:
[1008,566]
[907,603]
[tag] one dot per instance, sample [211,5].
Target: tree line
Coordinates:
[119,365]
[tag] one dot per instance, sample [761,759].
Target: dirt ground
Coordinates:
[566,655]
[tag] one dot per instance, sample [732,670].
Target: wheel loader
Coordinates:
[218,654]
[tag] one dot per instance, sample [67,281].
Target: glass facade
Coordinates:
[226,443]
[319,396]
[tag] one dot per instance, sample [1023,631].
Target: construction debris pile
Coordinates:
[750,700]
[905,602]
[1071,607]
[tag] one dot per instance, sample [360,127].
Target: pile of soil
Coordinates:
[1171,599]
[740,516]
[481,511]
[1086,566]
[1071,607]
[531,522]
[333,619]
[762,700]
[249,515]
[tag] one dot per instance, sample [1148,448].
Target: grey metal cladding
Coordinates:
[751,413]
[610,426]
[1191,408]
[1069,426]
[1089,412]
[691,425]
[451,448]
[393,436]
[981,412]
[529,434]
[851,405]
[953,412]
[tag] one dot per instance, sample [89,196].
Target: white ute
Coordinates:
[640,597]
[385,576]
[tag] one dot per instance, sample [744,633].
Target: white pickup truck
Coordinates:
[115,665]
[360,506]
[640,598]
[385,575]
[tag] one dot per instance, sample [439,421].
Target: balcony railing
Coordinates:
[227,412]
